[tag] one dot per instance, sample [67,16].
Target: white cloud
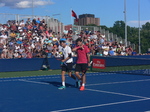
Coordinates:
[136,23]
[21,4]
[2,4]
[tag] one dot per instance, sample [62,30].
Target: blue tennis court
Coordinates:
[105,92]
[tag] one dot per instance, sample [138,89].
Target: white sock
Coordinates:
[83,84]
[63,83]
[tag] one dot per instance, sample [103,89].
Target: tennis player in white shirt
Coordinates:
[67,62]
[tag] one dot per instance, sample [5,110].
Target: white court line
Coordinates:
[43,77]
[34,82]
[118,82]
[142,98]
[25,80]
[122,94]
[94,90]
[28,78]
[107,104]
[88,74]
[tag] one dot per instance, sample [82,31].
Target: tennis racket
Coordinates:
[59,59]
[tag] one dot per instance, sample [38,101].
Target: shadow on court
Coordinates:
[58,84]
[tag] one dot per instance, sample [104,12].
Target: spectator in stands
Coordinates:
[5,52]
[16,54]
[105,49]
[12,35]
[56,53]
[38,45]
[49,55]
[49,47]
[13,27]
[29,54]
[10,54]
[3,38]
[4,28]
[38,21]
[22,24]
[44,53]
[134,53]
[23,54]
[118,50]
[101,40]
[28,22]
[69,41]
[74,37]
[55,40]
[37,53]
[28,39]
[1,49]
[111,52]
[129,50]
[92,49]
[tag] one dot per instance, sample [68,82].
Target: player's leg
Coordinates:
[72,76]
[77,73]
[84,69]
[69,69]
[63,72]
[83,79]
[78,80]
[63,77]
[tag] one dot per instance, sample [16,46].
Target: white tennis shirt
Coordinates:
[66,51]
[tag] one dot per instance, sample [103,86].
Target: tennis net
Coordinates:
[127,65]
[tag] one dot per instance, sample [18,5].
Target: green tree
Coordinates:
[91,25]
[145,37]
[104,27]
[118,28]
[132,34]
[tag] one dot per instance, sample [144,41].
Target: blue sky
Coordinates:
[108,11]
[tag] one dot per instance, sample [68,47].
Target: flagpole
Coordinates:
[76,18]
[71,19]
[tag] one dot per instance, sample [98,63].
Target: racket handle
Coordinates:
[91,62]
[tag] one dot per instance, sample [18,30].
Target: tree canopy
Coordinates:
[132,34]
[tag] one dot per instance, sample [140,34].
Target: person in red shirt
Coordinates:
[83,61]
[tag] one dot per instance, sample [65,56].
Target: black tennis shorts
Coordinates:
[66,67]
[81,67]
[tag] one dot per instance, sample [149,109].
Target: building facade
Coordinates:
[86,19]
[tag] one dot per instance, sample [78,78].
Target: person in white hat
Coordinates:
[67,62]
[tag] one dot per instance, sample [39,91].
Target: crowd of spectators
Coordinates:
[34,39]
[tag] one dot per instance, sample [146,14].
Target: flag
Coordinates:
[74,15]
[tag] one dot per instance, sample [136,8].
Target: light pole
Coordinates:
[32,9]
[125,19]
[139,26]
